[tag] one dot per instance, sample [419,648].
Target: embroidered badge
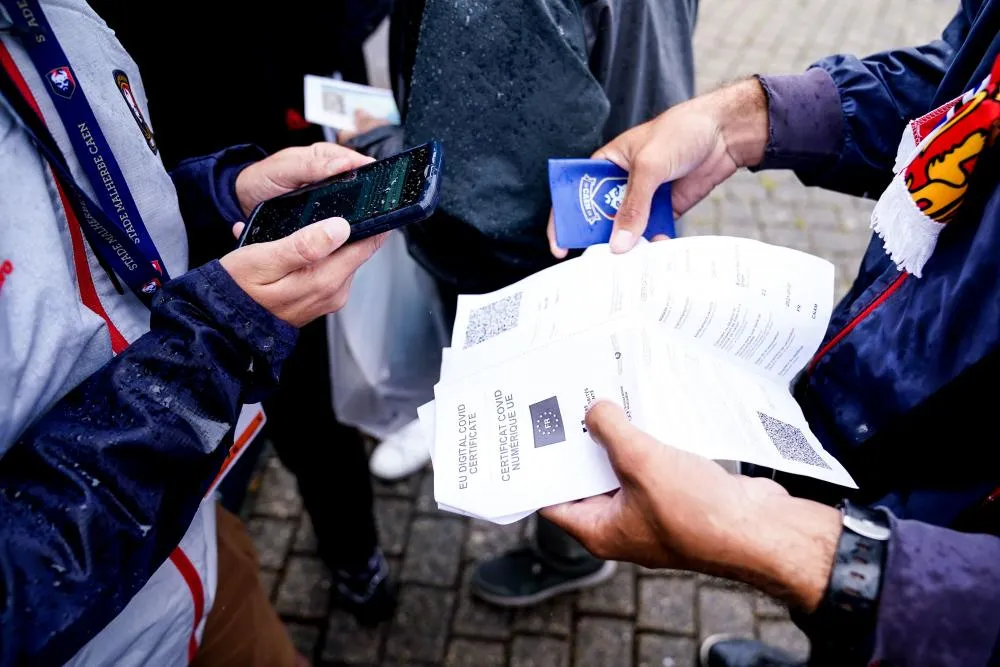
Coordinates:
[121,80]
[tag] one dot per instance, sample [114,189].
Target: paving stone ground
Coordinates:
[641,618]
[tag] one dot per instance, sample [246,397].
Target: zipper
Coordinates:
[856,321]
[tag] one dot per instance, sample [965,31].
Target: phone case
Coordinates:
[395,219]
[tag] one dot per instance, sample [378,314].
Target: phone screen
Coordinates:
[367,192]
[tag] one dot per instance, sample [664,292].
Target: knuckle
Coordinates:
[305,246]
[339,299]
[285,154]
[645,162]
[630,214]
[378,242]
[326,150]
[354,255]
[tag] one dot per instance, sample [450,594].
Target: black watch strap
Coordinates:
[842,625]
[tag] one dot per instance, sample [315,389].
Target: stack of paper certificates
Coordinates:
[697,339]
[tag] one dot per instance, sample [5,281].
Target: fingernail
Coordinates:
[337,229]
[622,241]
[334,166]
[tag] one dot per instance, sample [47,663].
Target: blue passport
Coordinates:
[586,195]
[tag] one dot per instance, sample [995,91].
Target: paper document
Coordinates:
[697,339]
[332,102]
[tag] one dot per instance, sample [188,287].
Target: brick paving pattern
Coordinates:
[642,618]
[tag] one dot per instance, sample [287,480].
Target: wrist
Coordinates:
[741,113]
[793,548]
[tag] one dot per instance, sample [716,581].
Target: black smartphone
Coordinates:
[374,198]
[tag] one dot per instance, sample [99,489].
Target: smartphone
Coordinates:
[374,198]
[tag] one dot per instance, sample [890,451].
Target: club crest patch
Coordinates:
[62,82]
[601,198]
[125,88]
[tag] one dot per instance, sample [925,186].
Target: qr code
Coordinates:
[791,444]
[493,319]
[333,102]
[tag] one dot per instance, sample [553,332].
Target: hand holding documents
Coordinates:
[697,339]
[333,103]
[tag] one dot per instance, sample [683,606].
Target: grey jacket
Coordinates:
[637,60]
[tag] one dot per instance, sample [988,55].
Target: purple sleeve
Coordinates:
[940,600]
[838,125]
[806,124]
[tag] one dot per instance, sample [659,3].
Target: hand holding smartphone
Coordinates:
[375,198]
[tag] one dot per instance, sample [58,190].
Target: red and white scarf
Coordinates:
[935,159]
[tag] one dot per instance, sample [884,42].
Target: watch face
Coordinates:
[866,528]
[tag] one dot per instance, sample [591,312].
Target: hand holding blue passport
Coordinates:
[586,195]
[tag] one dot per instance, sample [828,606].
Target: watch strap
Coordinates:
[842,625]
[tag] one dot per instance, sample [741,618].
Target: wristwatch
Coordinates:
[841,627]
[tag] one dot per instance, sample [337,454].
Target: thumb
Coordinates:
[633,214]
[304,247]
[629,449]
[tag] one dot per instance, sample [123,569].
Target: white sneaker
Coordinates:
[403,453]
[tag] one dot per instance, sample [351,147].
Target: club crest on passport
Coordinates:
[586,196]
[601,199]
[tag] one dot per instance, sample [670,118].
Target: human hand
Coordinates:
[293,168]
[304,275]
[363,122]
[678,510]
[697,145]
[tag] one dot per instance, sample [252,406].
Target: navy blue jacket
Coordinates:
[72,553]
[898,391]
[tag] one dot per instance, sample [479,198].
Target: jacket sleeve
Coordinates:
[206,193]
[96,494]
[839,124]
[940,600]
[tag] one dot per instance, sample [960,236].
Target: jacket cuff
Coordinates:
[806,123]
[267,340]
[230,164]
[940,601]
[206,193]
